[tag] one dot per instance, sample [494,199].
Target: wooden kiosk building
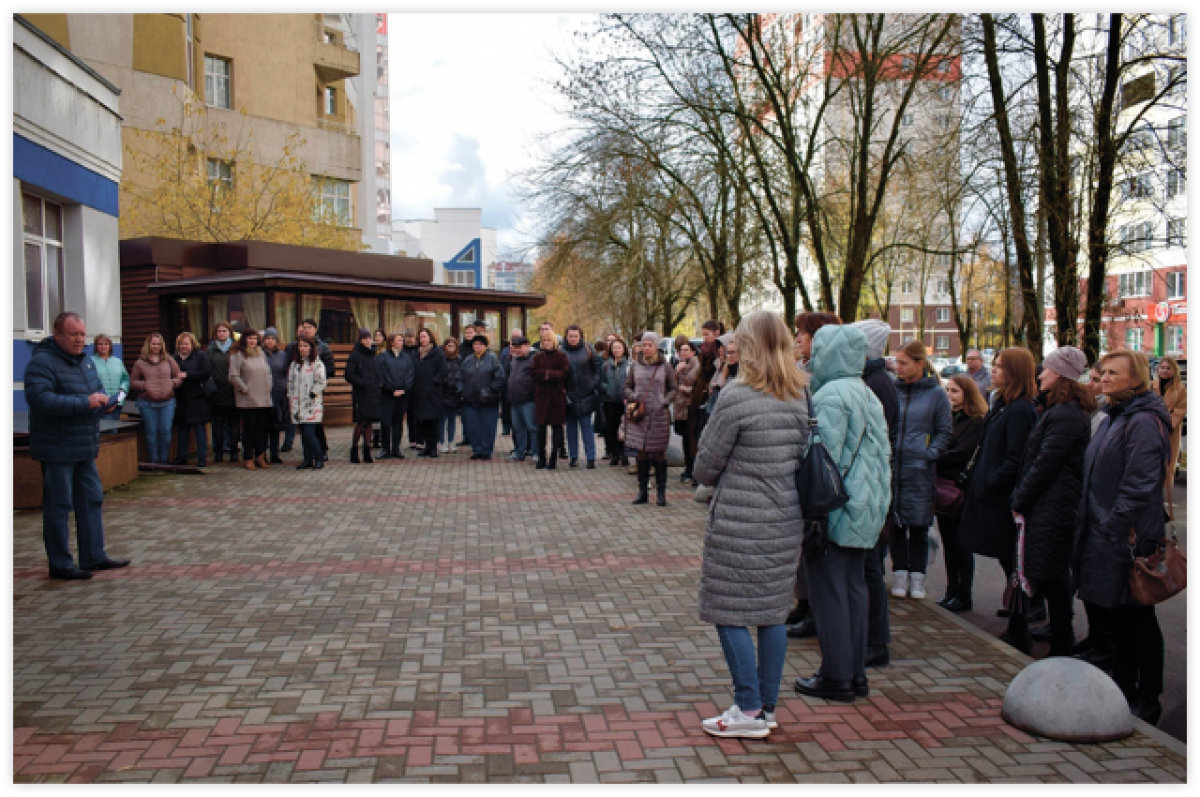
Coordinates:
[171,286]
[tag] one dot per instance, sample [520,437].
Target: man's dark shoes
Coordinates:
[109,564]
[591,464]
[275,460]
[861,689]
[803,629]
[1020,643]
[71,574]
[881,659]
[574,463]
[958,604]
[820,686]
[305,465]
[798,613]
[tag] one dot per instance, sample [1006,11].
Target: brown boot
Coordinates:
[249,464]
[261,462]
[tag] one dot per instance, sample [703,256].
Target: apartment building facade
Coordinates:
[463,251]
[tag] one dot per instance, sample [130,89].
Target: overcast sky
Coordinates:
[470,92]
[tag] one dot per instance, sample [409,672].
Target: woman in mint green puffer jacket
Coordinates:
[852,426]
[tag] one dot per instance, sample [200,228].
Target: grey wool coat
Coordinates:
[749,452]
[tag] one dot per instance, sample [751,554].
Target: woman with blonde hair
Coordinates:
[1169,385]
[155,377]
[192,410]
[749,451]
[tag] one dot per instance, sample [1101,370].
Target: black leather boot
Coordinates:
[367,458]
[660,480]
[553,460]
[354,453]
[643,476]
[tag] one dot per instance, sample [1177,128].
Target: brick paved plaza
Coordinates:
[455,621]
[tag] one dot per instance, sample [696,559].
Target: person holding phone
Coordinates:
[111,371]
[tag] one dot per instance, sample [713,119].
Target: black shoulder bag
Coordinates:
[821,487]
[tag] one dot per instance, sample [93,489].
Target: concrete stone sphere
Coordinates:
[1069,700]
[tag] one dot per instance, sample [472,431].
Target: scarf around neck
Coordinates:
[424,350]
[224,346]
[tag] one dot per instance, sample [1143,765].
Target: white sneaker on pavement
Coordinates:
[916,586]
[769,718]
[899,583]
[733,723]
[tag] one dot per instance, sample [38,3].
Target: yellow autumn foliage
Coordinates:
[198,180]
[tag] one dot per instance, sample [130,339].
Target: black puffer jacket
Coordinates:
[923,428]
[1124,470]
[1048,491]
[191,406]
[582,378]
[987,523]
[875,374]
[62,427]
[452,385]
[362,372]
[521,386]
[395,372]
[482,380]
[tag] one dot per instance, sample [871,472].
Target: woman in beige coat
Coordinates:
[1170,386]
[250,375]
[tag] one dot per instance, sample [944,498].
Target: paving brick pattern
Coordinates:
[456,621]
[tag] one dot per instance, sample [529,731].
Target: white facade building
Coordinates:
[66,172]
[463,251]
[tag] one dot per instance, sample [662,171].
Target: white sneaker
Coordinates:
[702,494]
[444,449]
[769,718]
[453,450]
[916,587]
[899,583]
[733,723]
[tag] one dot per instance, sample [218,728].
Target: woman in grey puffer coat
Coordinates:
[749,451]
[924,425]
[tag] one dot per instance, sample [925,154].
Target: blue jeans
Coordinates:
[446,427]
[67,487]
[185,434]
[480,426]
[466,432]
[583,425]
[754,684]
[309,441]
[157,417]
[524,428]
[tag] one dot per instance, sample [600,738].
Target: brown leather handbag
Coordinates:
[635,410]
[1159,576]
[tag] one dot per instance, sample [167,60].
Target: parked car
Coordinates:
[952,369]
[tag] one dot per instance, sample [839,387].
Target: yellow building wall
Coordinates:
[53,25]
[159,45]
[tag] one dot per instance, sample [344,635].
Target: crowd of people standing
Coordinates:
[1060,480]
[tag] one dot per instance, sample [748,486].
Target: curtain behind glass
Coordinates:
[285,317]
[254,305]
[218,310]
[393,316]
[311,308]
[492,319]
[194,313]
[366,313]
[515,322]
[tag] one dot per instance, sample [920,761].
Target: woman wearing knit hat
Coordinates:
[650,385]
[1048,491]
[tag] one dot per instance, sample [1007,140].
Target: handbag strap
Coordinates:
[815,432]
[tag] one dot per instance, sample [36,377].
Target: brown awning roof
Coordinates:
[253,279]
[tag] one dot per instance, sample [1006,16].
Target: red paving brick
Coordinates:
[386,621]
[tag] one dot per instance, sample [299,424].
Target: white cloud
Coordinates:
[469,93]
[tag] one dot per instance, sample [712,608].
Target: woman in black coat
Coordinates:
[362,373]
[1124,471]
[969,408]
[987,526]
[1047,494]
[425,401]
[191,405]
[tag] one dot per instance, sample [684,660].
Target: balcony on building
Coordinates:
[332,57]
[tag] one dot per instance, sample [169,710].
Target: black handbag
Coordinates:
[821,487]
[209,387]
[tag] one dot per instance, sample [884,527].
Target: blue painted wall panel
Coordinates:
[22,354]
[34,164]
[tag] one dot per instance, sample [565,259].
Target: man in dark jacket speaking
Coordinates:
[66,403]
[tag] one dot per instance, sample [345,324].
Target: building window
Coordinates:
[942,342]
[1175,284]
[1134,284]
[1137,237]
[334,207]
[1176,182]
[944,121]
[221,173]
[943,67]
[908,339]
[1177,132]
[460,277]
[1103,341]
[943,315]
[1139,186]
[1177,232]
[217,72]
[1175,340]
[1177,29]
[945,94]
[906,315]
[330,101]
[45,287]
[906,286]
[907,63]
[943,287]
[943,261]
[1133,338]
[906,120]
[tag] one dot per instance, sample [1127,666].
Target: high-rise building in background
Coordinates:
[275,74]
[510,276]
